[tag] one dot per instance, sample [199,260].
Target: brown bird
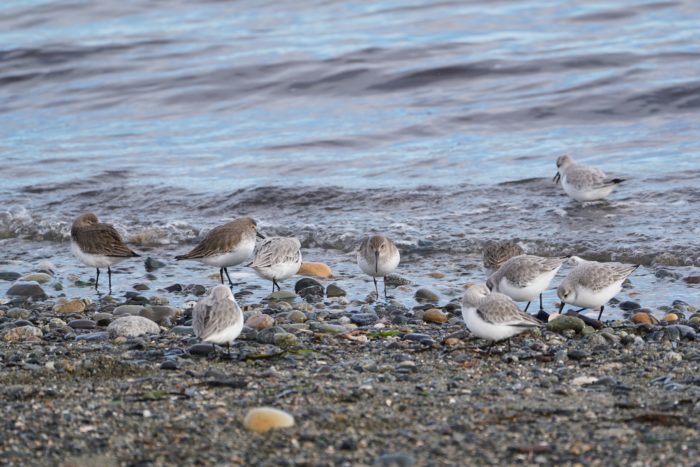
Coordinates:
[226,245]
[98,245]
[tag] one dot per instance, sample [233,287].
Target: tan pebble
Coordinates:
[260,322]
[434,315]
[263,419]
[315,270]
[119,340]
[74,305]
[451,341]
[670,317]
[436,275]
[553,316]
[643,318]
[22,333]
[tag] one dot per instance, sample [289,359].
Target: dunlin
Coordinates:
[226,245]
[378,257]
[98,245]
[217,318]
[277,258]
[492,315]
[497,253]
[591,284]
[525,277]
[583,182]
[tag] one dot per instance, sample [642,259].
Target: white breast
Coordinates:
[96,261]
[238,255]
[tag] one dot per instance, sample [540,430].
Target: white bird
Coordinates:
[583,182]
[492,315]
[277,258]
[217,318]
[378,257]
[525,277]
[591,284]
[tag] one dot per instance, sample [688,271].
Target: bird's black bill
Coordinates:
[561,307]
[259,235]
[376,262]
[556,178]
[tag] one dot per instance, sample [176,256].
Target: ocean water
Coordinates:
[437,123]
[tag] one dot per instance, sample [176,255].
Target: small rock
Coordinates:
[452,341]
[296,316]
[315,270]
[433,315]
[169,365]
[395,460]
[141,287]
[684,331]
[93,336]
[174,288]
[132,326]
[158,313]
[363,319]
[629,306]
[260,322]
[306,282]
[126,310]
[74,305]
[335,291]
[565,323]
[670,317]
[285,340]
[21,333]
[578,354]
[102,319]
[692,279]
[9,276]
[282,295]
[182,330]
[695,321]
[396,280]
[263,419]
[153,264]
[82,324]
[436,275]
[202,348]
[330,328]
[644,318]
[18,313]
[426,295]
[26,290]
[40,277]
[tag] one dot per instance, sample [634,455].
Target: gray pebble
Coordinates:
[132,326]
[82,324]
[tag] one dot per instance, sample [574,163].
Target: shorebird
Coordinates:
[98,245]
[583,182]
[378,257]
[525,277]
[492,315]
[591,284]
[217,318]
[497,253]
[277,258]
[227,245]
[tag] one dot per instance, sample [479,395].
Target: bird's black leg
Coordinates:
[228,349]
[230,282]
[601,312]
[376,289]
[508,341]
[580,310]
[221,275]
[97,279]
[385,295]
[490,348]
[541,307]
[109,277]
[526,307]
[274,283]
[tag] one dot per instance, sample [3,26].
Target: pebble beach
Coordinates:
[116,381]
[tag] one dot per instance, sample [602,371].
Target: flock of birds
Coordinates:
[489,310]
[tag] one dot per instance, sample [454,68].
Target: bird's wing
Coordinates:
[102,239]
[219,240]
[499,309]
[274,251]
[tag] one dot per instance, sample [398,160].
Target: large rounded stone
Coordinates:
[315,270]
[21,333]
[132,326]
[264,419]
[260,322]
[564,323]
[40,277]
[434,315]
[74,305]
[426,295]
[27,290]
[125,310]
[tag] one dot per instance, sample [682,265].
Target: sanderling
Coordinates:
[525,277]
[217,318]
[591,284]
[378,257]
[583,182]
[277,258]
[497,253]
[226,245]
[492,315]
[98,245]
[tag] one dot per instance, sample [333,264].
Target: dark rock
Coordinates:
[396,280]
[202,348]
[169,365]
[93,336]
[23,322]
[692,280]
[82,324]
[395,460]
[426,295]
[311,292]
[663,273]
[335,291]
[306,282]
[174,288]
[681,330]
[199,290]
[9,276]
[153,264]
[418,337]
[578,354]
[364,319]
[629,306]
[27,290]
[563,323]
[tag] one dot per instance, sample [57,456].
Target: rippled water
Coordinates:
[437,123]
